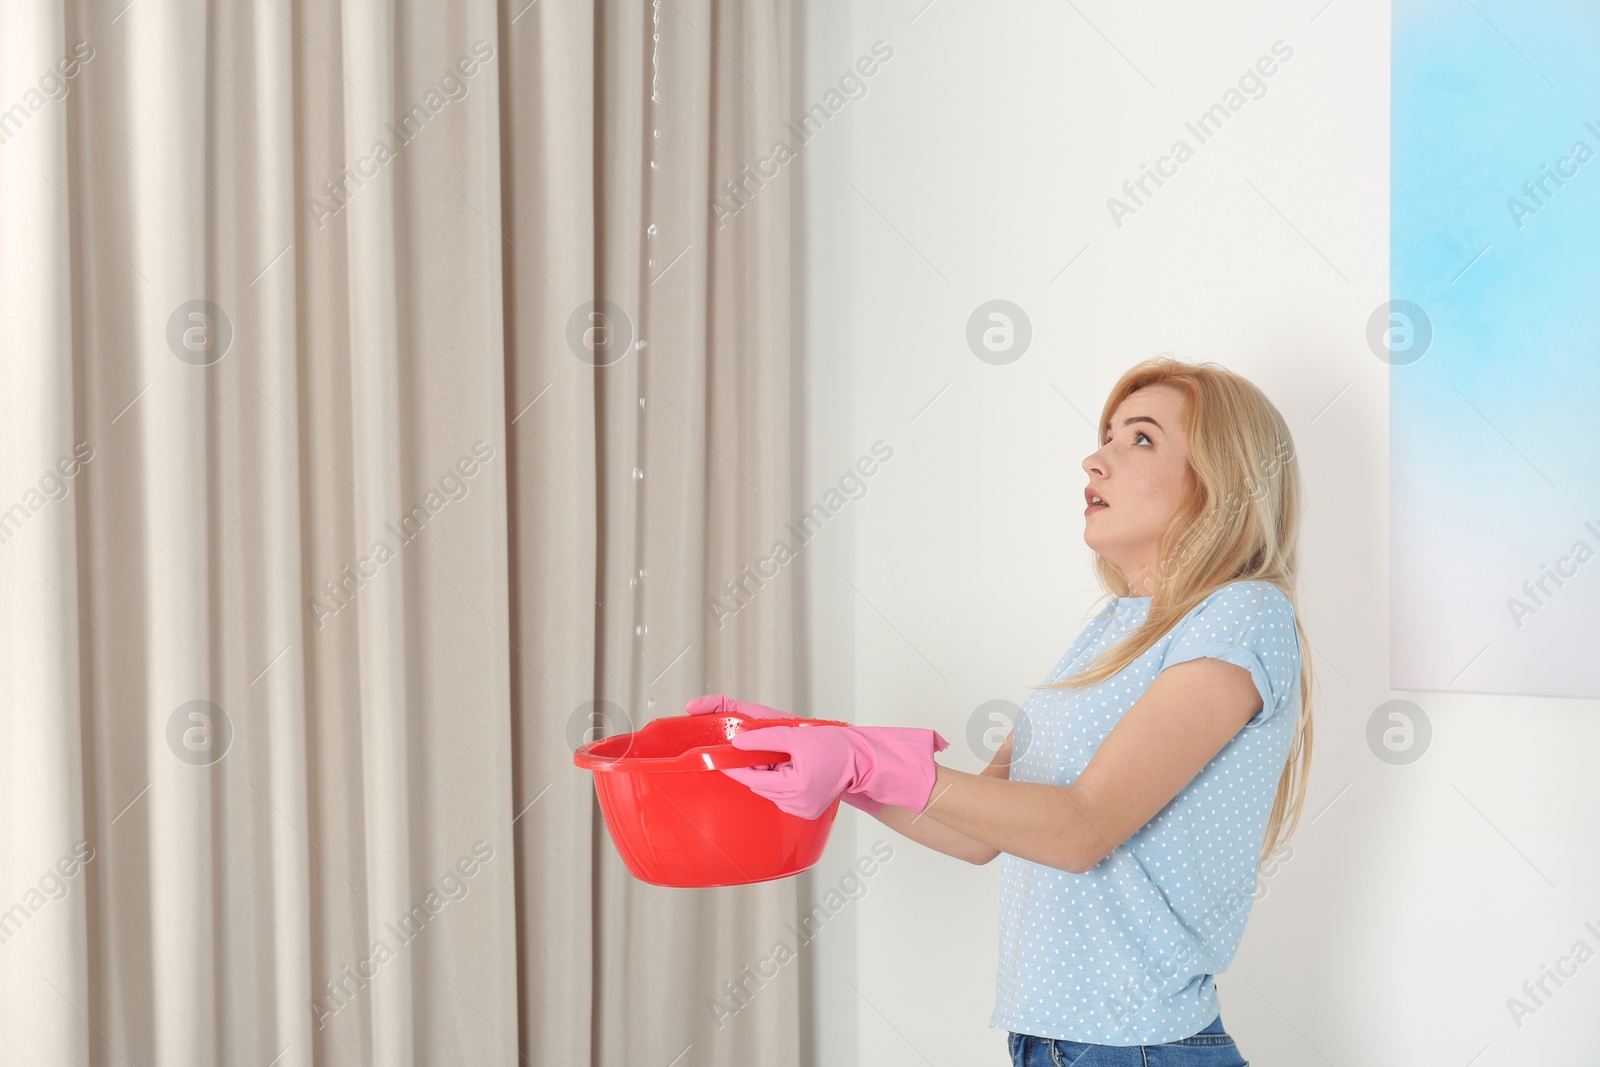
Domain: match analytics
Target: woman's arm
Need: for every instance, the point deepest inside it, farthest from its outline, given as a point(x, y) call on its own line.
point(1168, 736)
point(925, 830)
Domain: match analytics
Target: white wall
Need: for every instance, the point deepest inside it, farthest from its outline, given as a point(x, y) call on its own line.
point(977, 166)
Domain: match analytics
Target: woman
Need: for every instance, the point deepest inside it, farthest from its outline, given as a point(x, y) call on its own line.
point(1145, 785)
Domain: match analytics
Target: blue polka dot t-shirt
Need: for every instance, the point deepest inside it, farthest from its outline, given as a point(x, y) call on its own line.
point(1125, 953)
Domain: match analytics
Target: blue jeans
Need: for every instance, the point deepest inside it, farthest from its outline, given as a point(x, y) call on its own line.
point(1211, 1047)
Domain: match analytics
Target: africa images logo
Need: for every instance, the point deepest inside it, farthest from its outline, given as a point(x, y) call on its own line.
point(453, 85)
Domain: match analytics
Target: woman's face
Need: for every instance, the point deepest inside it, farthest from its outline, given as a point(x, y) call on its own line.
point(1141, 472)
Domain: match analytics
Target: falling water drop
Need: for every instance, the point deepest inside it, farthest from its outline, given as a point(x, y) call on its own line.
point(641, 343)
point(641, 630)
point(655, 51)
point(641, 401)
point(638, 474)
point(654, 165)
point(651, 229)
point(651, 702)
point(656, 132)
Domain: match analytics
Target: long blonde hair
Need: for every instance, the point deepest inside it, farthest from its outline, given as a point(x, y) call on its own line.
point(1240, 523)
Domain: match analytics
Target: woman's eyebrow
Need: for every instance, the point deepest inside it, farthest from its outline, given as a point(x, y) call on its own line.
point(1138, 418)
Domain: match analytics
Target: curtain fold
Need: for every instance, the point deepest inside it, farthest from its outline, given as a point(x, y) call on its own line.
point(322, 542)
point(688, 414)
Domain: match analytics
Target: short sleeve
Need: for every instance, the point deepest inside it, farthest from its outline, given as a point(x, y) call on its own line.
point(1251, 625)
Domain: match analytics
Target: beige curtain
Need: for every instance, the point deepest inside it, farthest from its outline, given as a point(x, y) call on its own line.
point(320, 541)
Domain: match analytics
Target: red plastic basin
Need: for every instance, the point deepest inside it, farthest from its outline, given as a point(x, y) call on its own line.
point(677, 821)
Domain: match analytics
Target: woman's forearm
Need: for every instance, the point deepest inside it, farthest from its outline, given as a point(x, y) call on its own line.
point(1035, 821)
point(925, 830)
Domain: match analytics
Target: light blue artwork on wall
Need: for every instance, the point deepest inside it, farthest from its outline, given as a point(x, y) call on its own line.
point(1494, 341)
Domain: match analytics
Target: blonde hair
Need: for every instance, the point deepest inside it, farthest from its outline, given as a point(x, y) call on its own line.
point(1241, 522)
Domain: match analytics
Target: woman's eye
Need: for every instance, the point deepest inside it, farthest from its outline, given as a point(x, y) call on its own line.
point(1136, 435)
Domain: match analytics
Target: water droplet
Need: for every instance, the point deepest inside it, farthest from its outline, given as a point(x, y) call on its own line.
point(641, 572)
point(638, 474)
point(640, 631)
point(651, 703)
point(656, 132)
point(654, 165)
point(651, 229)
point(641, 401)
point(641, 343)
point(650, 262)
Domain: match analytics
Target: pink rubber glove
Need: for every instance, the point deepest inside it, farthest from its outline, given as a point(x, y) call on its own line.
point(717, 704)
point(887, 764)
